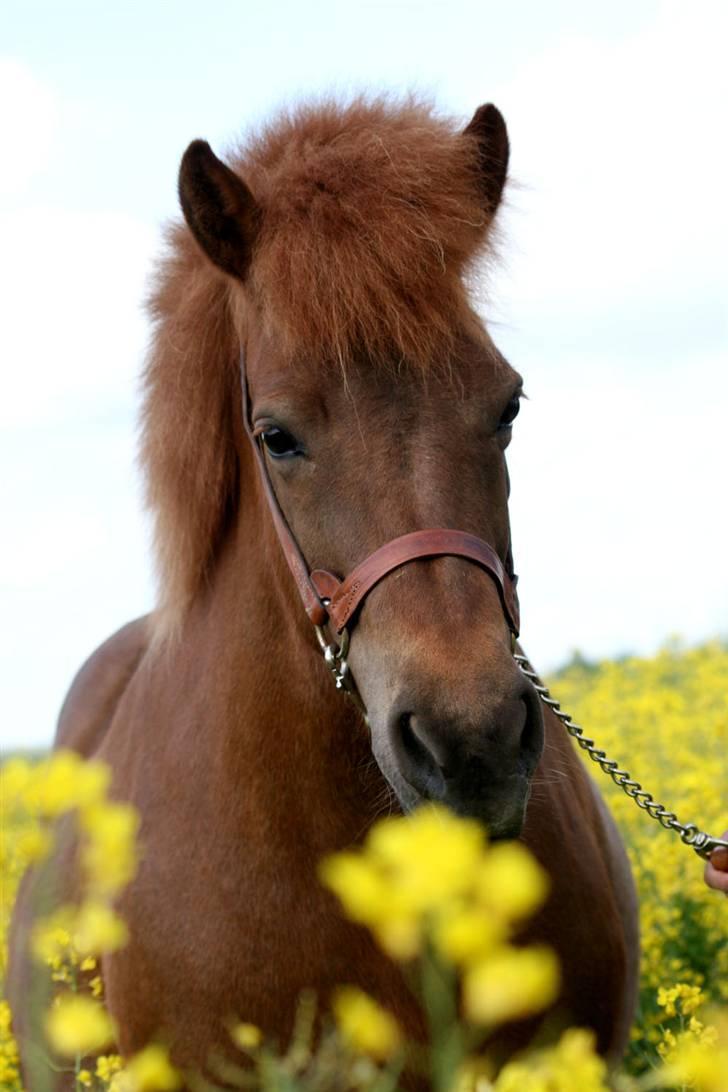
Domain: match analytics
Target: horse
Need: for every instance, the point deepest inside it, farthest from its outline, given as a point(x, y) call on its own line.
point(323, 398)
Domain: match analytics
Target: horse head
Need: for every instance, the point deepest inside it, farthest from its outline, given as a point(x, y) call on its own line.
point(383, 407)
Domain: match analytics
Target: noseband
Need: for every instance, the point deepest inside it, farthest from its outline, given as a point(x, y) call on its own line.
point(332, 603)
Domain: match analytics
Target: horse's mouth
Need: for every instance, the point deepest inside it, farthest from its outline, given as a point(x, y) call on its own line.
point(500, 808)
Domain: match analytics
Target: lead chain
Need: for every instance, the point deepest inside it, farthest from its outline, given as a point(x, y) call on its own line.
point(689, 833)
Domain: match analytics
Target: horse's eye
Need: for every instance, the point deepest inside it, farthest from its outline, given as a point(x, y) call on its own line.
point(279, 443)
point(510, 413)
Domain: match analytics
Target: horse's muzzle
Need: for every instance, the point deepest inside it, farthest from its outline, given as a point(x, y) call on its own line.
point(478, 766)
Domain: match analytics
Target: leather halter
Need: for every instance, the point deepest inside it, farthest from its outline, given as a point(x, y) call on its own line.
point(329, 599)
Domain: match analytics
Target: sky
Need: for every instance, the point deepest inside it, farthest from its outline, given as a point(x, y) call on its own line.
point(610, 297)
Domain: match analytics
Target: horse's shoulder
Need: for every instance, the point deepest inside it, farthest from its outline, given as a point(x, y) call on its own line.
point(98, 686)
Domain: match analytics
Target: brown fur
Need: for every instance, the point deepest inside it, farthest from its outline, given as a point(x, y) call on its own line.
point(371, 215)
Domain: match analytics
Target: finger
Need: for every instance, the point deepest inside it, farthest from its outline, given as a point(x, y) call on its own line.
point(716, 879)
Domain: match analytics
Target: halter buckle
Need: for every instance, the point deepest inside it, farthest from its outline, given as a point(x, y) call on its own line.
point(335, 657)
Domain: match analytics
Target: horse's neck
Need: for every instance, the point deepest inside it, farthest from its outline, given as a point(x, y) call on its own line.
point(275, 728)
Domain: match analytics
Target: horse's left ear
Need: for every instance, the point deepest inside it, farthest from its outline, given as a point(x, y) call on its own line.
point(491, 137)
point(220, 210)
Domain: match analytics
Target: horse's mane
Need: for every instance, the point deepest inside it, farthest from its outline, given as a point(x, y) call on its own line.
point(372, 217)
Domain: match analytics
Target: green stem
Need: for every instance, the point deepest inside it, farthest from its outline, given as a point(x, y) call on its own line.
point(439, 994)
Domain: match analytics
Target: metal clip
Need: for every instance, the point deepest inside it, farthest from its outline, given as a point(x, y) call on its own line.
point(335, 656)
point(335, 659)
point(705, 844)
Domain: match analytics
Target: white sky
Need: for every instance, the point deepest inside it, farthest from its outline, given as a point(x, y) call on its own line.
point(611, 300)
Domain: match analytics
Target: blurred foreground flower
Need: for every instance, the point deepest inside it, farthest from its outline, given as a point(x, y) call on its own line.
point(365, 1025)
point(78, 1025)
point(571, 1066)
point(148, 1071)
point(510, 984)
point(246, 1036)
point(430, 884)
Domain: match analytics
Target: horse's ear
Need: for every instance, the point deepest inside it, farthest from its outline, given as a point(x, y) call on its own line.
point(491, 137)
point(220, 210)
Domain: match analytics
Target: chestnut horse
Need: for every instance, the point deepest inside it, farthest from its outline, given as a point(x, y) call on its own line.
point(334, 257)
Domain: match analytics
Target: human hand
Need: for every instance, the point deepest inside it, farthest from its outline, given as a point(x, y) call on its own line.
point(716, 870)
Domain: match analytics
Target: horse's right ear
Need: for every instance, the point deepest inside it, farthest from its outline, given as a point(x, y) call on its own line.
point(220, 210)
point(488, 129)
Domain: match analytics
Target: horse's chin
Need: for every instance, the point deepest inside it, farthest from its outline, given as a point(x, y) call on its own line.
point(501, 810)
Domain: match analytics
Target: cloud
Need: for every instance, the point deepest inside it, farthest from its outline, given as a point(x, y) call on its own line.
point(619, 148)
point(619, 531)
point(28, 125)
point(73, 331)
point(74, 549)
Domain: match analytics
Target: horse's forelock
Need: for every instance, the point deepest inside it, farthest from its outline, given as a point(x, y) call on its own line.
point(371, 216)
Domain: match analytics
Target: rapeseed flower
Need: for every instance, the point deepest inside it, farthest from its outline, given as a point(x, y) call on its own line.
point(509, 984)
point(573, 1064)
point(106, 1066)
point(466, 934)
point(108, 850)
point(98, 929)
point(510, 883)
point(9, 1059)
point(246, 1036)
point(430, 858)
point(78, 1025)
point(365, 1025)
point(62, 782)
point(148, 1071)
point(665, 719)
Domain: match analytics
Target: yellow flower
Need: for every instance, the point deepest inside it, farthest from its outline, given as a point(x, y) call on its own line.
point(467, 934)
point(701, 1062)
point(148, 1071)
point(370, 897)
point(51, 939)
point(431, 856)
point(84, 1077)
point(246, 1036)
point(78, 1025)
point(107, 1065)
point(9, 1057)
point(510, 882)
point(34, 844)
point(109, 849)
point(399, 936)
point(15, 777)
point(65, 781)
point(98, 929)
point(573, 1064)
point(358, 884)
point(364, 1025)
point(510, 984)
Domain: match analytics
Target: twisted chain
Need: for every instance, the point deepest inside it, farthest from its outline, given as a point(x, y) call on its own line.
point(689, 833)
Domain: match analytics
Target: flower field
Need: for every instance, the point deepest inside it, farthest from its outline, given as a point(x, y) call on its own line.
point(665, 719)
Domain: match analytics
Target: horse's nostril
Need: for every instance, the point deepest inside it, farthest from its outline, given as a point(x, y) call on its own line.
point(421, 765)
point(413, 746)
